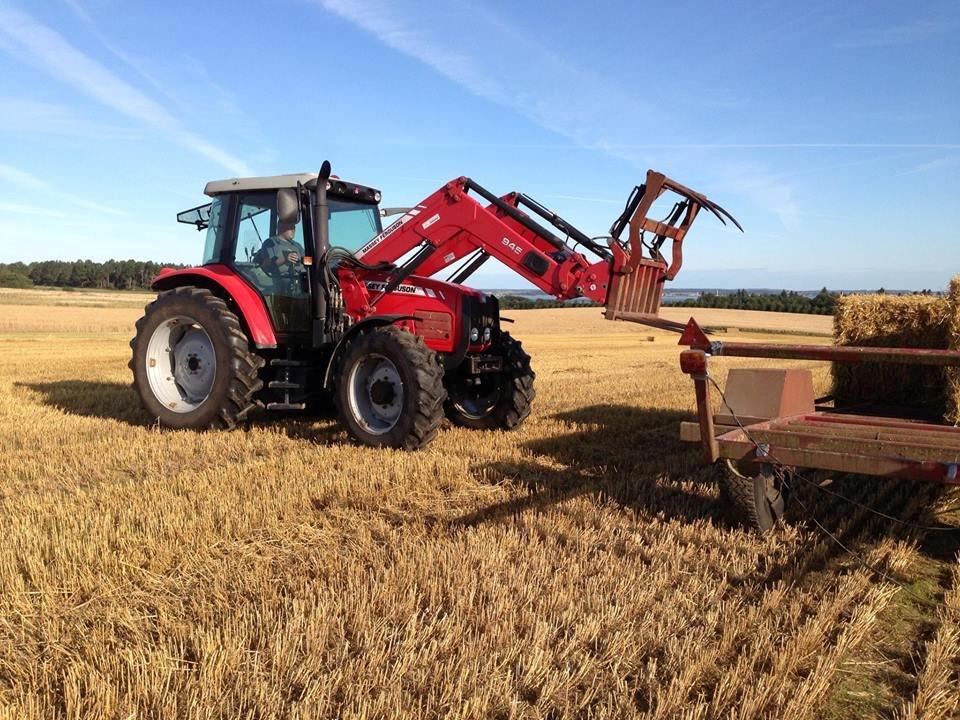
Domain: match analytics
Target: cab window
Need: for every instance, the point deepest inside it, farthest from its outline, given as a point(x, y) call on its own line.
point(352, 224)
point(270, 256)
point(216, 231)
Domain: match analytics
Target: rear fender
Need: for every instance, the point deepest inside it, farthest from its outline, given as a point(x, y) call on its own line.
point(356, 329)
point(225, 283)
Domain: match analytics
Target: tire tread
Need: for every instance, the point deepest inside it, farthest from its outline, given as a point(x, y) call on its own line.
point(429, 374)
point(244, 363)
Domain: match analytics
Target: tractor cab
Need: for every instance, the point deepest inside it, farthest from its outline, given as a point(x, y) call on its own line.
point(260, 229)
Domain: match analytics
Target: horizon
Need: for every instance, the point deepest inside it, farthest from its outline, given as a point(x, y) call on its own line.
point(530, 289)
point(827, 131)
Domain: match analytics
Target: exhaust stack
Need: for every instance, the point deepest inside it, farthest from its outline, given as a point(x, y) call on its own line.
point(319, 285)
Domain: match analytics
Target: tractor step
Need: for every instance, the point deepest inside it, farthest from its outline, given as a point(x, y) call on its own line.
point(286, 406)
point(283, 385)
point(283, 362)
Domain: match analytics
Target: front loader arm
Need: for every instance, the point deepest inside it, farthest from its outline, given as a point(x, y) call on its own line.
point(451, 223)
point(465, 246)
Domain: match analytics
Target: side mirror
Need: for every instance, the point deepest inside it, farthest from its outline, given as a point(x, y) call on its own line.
point(288, 206)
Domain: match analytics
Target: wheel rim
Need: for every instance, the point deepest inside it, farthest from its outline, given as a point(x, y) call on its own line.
point(375, 394)
point(181, 364)
point(477, 401)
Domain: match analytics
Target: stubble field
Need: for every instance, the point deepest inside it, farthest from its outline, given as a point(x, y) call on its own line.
point(581, 566)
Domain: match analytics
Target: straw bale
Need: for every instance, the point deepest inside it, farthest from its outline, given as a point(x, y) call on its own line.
point(911, 321)
point(952, 414)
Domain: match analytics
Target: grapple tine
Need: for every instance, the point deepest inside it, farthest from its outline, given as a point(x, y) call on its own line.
point(702, 200)
point(714, 211)
point(718, 211)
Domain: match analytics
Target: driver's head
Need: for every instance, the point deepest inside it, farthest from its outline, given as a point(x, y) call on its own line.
point(286, 231)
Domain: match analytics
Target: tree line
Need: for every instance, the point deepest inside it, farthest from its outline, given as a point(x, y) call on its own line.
point(517, 302)
point(823, 303)
point(109, 275)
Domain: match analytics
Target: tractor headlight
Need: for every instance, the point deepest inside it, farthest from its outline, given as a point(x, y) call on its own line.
point(486, 334)
point(474, 334)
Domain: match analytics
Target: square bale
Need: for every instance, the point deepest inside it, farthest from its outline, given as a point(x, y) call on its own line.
point(908, 321)
point(952, 414)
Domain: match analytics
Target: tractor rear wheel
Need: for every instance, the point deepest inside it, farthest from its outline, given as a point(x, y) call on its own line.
point(494, 401)
point(757, 500)
point(389, 389)
point(192, 365)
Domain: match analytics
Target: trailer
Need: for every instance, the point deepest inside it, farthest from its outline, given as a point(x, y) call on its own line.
point(770, 424)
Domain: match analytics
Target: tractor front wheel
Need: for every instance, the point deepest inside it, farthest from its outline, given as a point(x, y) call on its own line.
point(192, 365)
point(494, 401)
point(389, 390)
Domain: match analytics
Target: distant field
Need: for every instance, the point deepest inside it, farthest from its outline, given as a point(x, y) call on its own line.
point(19, 312)
point(755, 320)
point(74, 298)
point(581, 566)
point(572, 320)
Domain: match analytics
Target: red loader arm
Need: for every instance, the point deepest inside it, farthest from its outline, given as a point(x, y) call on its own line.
point(451, 225)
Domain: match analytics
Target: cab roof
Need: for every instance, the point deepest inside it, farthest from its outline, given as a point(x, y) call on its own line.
point(275, 182)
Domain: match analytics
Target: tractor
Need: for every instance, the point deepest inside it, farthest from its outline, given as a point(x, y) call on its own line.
point(303, 299)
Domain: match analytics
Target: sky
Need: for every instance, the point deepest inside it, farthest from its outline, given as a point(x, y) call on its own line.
point(831, 130)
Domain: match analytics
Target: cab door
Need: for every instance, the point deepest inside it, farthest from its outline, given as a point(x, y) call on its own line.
point(271, 261)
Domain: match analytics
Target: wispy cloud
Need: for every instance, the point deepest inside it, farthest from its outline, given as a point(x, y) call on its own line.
point(524, 76)
point(767, 190)
point(584, 107)
point(940, 163)
point(895, 35)
point(15, 208)
point(24, 115)
point(22, 179)
point(789, 146)
point(127, 59)
point(391, 27)
point(46, 49)
point(213, 95)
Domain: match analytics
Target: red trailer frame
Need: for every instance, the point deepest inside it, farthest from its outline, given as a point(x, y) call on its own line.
point(823, 439)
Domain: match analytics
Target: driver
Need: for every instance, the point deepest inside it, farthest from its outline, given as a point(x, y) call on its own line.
point(280, 256)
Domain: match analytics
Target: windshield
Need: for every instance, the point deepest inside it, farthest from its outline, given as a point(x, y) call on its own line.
point(352, 224)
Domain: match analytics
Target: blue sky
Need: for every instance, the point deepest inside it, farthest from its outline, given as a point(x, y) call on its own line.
point(831, 130)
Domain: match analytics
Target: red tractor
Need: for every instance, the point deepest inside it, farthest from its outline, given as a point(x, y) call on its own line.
point(303, 297)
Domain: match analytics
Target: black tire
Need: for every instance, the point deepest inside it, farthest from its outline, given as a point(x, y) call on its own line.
point(758, 500)
point(420, 403)
point(505, 403)
point(231, 395)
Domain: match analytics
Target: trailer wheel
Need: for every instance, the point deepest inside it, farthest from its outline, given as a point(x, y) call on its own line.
point(389, 389)
point(191, 362)
point(499, 401)
point(757, 500)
